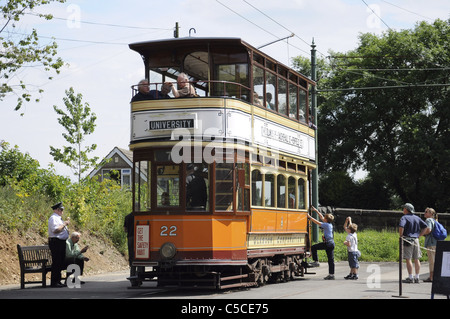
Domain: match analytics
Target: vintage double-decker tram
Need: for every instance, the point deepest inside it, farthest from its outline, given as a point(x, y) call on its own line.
point(221, 183)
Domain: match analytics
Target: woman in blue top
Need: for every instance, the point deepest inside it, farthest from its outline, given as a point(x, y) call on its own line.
point(327, 244)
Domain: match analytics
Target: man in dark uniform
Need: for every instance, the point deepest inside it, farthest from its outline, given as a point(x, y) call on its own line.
point(57, 236)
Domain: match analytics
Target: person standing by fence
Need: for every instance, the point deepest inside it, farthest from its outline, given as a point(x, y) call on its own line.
point(411, 227)
point(430, 241)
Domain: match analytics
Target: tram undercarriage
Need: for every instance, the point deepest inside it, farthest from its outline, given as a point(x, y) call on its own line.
point(257, 272)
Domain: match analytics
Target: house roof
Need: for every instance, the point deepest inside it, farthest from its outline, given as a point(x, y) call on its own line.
point(126, 155)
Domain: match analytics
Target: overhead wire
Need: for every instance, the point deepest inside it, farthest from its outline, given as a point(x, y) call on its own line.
point(258, 26)
point(397, 6)
point(102, 24)
point(373, 11)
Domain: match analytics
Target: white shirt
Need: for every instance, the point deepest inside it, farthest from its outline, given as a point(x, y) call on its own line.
point(352, 238)
point(54, 222)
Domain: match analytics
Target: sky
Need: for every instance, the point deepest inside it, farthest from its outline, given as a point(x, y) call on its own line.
point(93, 38)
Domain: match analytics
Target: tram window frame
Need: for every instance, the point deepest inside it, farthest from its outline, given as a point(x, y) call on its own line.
point(258, 85)
point(257, 190)
point(270, 76)
point(269, 189)
point(174, 192)
point(293, 92)
point(292, 187)
point(237, 86)
point(281, 190)
point(224, 187)
point(198, 170)
point(242, 188)
point(282, 96)
point(302, 107)
point(301, 193)
point(142, 178)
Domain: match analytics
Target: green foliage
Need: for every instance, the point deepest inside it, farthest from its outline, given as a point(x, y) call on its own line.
point(338, 189)
point(399, 135)
point(27, 193)
point(375, 246)
point(78, 122)
point(101, 208)
point(19, 51)
point(23, 173)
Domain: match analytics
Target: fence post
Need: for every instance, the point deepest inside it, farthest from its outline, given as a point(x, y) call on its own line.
point(400, 257)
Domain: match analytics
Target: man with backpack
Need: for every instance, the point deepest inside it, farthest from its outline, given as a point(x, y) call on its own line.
point(434, 232)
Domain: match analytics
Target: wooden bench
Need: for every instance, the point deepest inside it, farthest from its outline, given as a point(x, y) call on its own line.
point(34, 259)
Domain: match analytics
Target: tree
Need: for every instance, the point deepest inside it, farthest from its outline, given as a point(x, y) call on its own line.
point(23, 50)
point(78, 122)
point(385, 110)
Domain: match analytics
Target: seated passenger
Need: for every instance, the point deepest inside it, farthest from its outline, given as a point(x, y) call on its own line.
point(144, 92)
point(256, 99)
point(165, 199)
point(74, 255)
point(163, 94)
point(269, 104)
point(185, 89)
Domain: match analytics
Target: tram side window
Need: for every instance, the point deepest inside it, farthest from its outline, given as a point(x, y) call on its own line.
point(142, 180)
point(257, 183)
point(301, 194)
point(302, 105)
point(271, 89)
point(269, 190)
point(291, 193)
point(293, 101)
point(282, 96)
point(235, 73)
point(224, 186)
point(281, 191)
point(168, 185)
point(243, 187)
point(197, 185)
point(258, 86)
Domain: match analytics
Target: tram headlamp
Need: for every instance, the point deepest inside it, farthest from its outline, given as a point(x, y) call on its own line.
point(168, 250)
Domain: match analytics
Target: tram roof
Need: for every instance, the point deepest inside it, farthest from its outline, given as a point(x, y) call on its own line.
point(149, 48)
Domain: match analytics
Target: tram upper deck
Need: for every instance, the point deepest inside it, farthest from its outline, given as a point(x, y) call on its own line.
point(241, 94)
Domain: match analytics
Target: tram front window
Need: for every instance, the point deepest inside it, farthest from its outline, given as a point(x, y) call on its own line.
point(168, 185)
point(224, 186)
point(197, 185)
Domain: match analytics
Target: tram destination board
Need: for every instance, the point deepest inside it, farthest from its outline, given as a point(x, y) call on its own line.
point(441, 277)
point(170, 124)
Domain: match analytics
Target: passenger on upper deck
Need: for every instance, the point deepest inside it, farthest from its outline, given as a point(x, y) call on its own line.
point(185, 89)
point(269, 104)
point(144, 92)
point(163, 94)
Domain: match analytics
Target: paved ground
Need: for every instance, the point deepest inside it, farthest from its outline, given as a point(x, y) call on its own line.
point(376, 281)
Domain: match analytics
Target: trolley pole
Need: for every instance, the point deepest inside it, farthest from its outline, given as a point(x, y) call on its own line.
point(176, 31)
point(315, 179)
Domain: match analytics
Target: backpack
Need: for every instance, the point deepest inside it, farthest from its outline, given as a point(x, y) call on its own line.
point(439, 232)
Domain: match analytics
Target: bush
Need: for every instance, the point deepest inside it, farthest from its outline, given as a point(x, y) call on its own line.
point(27, 193)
